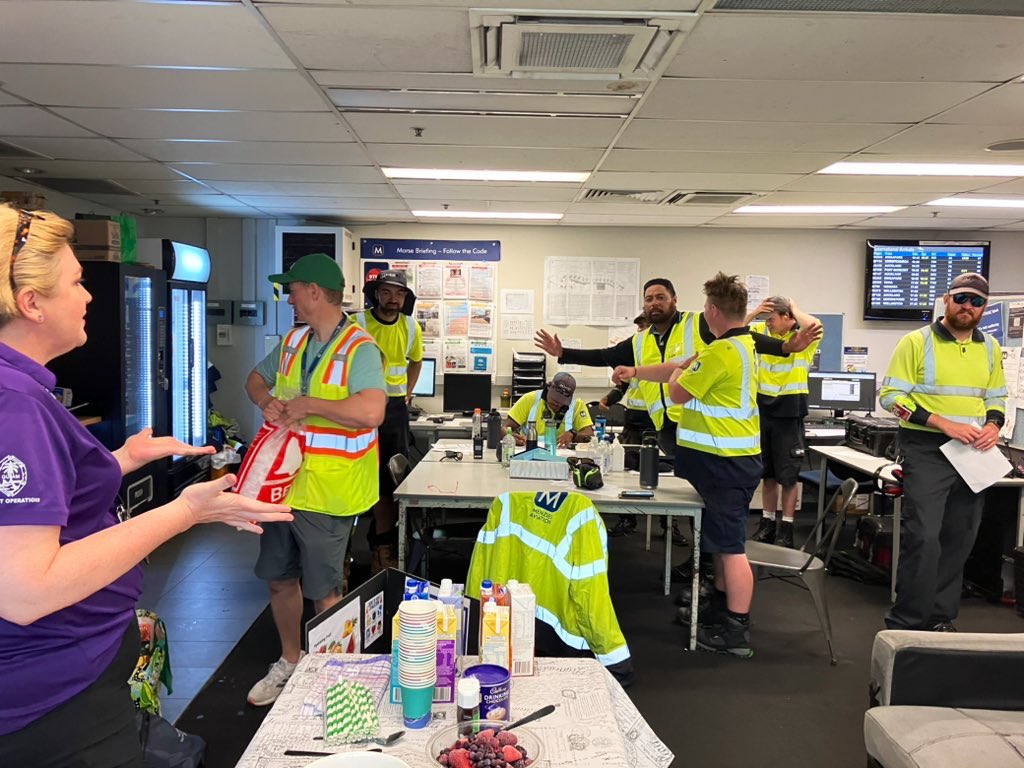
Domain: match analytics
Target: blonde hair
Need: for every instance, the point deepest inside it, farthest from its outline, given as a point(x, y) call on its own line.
point(36, 266)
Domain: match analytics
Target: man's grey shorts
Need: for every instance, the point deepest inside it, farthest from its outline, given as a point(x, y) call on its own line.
point(311, 548)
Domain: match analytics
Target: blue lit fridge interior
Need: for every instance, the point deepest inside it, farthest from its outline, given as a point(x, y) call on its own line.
point(138, 354)
point(181, 366)
point(198, 394)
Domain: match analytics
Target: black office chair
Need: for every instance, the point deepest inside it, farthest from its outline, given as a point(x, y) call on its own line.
point(426, 532)
point(615, 416)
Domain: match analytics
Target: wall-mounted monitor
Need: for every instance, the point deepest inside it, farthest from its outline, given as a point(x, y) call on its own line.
point(840, 391)
point(904, 277)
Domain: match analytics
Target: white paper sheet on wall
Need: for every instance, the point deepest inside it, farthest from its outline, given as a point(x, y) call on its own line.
point(591, 291)
point(456, 354)
point(514, 327)
point(758, 289)
point(428, 280)
point(1011, 372)
point(571, 344)
point(456, 318)
point(456, 280)
point(517, 301)
point(481, 319)
point(428, 315)
point(481, 282)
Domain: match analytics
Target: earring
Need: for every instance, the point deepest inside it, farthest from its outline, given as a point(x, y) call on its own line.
point(39, 318)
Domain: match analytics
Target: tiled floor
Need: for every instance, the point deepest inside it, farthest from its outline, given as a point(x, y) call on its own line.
point(202, 586)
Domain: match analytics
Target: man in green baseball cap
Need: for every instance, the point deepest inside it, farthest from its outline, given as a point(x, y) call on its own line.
point(325, 379)
point(318, 268)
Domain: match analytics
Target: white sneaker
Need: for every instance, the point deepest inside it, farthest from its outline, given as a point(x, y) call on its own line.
point(269, 688)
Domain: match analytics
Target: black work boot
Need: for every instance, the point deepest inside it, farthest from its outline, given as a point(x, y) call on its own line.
point(766, 531)
point(784, 538)
point(678, 538)
point(705, 589)
point(726, 635)
point(710, 609)
point(625, 526)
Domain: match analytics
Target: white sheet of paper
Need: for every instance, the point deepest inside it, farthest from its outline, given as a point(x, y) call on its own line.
point(979, 469)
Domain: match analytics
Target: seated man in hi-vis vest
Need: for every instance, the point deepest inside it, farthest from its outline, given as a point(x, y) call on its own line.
point(325, 379)
point(556, 400)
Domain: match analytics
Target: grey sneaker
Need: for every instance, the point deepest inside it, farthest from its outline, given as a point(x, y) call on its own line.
point(269, 688)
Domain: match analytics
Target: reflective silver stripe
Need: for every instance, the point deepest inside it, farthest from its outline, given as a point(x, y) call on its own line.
point(976, 421)
point(395, 389)
point(412, 325)
point(995, 404)
point(892, 381)
point(771, 389)
point(397, 370)
point(722, 412)
point(341, 443)
point(636, 404)
point(785, 367)
point(935, 389)
point(713, 441)
point(359, 318)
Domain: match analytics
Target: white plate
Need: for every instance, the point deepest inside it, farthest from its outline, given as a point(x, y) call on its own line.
point(359, 760)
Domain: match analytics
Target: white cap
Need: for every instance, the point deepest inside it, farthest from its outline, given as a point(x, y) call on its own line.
point(446, 588)
point(468, 692)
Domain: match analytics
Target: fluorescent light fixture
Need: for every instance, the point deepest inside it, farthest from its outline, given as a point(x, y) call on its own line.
point(486, 215)
point(925, 169)
point(837, 209)
point(978, 202)
point(456, 174)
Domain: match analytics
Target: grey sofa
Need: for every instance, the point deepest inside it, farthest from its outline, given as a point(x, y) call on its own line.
point(946, 700)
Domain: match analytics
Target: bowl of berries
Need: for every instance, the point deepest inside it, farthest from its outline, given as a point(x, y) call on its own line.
point(459, 747)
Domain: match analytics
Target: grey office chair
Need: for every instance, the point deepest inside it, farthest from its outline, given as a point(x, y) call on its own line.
point(803, 567)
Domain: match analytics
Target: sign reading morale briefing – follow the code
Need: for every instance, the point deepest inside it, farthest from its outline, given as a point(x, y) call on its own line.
point(462, 250)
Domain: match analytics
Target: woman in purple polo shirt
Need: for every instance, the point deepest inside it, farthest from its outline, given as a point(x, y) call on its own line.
point(70, 575)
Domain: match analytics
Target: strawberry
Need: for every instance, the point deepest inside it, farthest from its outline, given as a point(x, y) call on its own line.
point(511, 754)
point(507, 737)
point(485, 734)
point(459, 758)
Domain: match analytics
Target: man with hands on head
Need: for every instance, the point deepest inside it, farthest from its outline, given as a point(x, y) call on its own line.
point(945, 381)
point(328, 382)
point(554, 401)
point(782, 399)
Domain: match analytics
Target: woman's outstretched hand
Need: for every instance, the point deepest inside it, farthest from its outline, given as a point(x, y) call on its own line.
point(210, 502)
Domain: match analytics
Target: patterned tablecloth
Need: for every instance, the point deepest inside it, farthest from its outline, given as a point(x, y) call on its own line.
point(595, 723)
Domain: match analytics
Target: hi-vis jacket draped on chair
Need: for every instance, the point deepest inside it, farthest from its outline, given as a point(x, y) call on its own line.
point(557, 543)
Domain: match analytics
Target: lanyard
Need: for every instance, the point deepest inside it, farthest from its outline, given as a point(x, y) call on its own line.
point(307, 372)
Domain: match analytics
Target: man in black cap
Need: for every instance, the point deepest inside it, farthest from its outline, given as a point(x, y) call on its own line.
point(945, 381)
point(556, 400)
point(391, 323)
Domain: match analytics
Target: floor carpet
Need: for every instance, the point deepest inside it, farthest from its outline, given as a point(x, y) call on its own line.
point(787, 706)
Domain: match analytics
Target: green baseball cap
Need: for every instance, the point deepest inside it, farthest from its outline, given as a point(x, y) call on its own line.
point(316, 268)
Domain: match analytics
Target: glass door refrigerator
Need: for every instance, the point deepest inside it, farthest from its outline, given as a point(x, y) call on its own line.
point(119, 376)
point(188, 271)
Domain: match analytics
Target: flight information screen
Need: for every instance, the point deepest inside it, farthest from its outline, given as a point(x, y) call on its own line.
point(905, 278)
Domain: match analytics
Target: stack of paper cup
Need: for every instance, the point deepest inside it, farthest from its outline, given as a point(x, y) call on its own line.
point(417, 659)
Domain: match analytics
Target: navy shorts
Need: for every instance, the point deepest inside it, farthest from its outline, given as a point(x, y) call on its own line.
point(782, 449)
point(726, 485)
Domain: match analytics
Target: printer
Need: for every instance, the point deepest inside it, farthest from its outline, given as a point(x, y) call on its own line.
point(872, 434)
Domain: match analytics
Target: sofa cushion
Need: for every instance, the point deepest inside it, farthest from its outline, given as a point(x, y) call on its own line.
point(939, 737)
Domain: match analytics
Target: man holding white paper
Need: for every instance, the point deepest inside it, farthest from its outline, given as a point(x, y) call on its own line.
point(945, 382)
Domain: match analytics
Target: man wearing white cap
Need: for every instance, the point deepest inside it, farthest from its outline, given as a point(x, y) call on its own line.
point(945, 381)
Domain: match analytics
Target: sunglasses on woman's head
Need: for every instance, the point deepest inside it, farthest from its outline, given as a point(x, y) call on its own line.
point(963, 298)
point(21, 234)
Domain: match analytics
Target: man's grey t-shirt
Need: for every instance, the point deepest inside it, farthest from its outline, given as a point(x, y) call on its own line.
point(365, 371)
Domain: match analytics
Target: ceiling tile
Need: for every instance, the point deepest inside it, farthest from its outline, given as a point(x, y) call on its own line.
point(158, 88)
point(302, 189)
point(247, 151)
point(482, 131)
point(953, 212)
point(956, 227)
point(155, 188)
point(565, 5)
point(1017, 225)
point(773, 221)
point(132, 34)
point(868, 47)
point(415, 204)
point(32, 121)
point(754, 137)
point(484, 158)
point(431, 190)
point(273, 173)
point(1003, 105)
point(965, 141)
point(683, 161)
point(723, 182)
point(7, 99)
point(1000, 187)
point(803, 101)
point(237, 126)
point(295, 202)
point(788, 197)
point(76, 169)
point(631, 220)
point(188, 211)
point(77, 149)
point(417, 39)
point(648, 210)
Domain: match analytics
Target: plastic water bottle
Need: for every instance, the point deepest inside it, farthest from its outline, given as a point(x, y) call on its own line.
point(508, 448)
point(618, 456)
point(551, 436)
point(604, 457)
point(531, 435)
point(599, 424)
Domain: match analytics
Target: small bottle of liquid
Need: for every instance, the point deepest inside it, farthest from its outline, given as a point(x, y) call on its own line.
point(531, 435)
point(467, 706)
point(508, 448)
point(478, 435)
point(618, 456)
point(506, 399)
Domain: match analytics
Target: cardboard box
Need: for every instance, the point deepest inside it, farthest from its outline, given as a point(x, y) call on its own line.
point(97, 240)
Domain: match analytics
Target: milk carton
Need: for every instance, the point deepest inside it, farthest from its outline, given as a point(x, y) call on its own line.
point(524, 610)
point(496, 634)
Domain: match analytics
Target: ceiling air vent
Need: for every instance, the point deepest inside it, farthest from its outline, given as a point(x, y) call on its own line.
point(12, 151)
point(80, 186)
point(574, 44)
point(623, 196)
point(950, 7)
point(708, 198)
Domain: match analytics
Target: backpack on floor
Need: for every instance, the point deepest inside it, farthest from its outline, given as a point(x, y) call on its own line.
point(164, 746)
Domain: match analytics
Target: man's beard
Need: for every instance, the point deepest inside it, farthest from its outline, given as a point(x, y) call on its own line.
point(959, 322)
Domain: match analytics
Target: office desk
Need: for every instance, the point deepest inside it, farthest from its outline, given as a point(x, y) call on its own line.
point(470, 484)
point(863, 462)
point(461, 426)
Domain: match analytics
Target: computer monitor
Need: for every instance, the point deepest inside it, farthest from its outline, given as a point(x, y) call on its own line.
point(841, 391)
point(425, 383)
point(466, 391)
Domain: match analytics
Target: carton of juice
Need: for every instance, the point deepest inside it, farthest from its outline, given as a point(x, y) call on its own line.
point(524, 609)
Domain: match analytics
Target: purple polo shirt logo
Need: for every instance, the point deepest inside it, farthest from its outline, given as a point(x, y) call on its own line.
point(13, 476)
